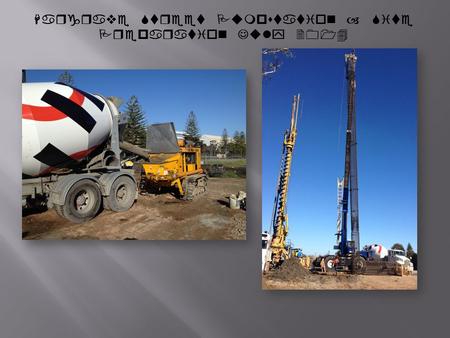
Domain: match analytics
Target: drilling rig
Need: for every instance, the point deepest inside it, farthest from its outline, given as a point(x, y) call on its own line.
point(350, 184)
point(277, 251)
point(347, 257)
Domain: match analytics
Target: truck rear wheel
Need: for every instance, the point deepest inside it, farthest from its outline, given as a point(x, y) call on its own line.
point(122, 194)
point(82, 202)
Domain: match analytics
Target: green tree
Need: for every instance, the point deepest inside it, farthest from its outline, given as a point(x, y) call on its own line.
point(212, 149)
point(409, 250)
point(414, 260)
point(242, 144)
point(135, 132)
point(231, 146)
point(398, 246)
point(237, 147)
point(411, 255)
point(66, 77)
point(224, 142)
point(192, 131)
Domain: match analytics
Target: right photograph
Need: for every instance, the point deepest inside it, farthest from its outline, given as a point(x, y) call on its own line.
point(339, 169)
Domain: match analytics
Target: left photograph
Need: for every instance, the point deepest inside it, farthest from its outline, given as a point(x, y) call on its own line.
point(134, 154)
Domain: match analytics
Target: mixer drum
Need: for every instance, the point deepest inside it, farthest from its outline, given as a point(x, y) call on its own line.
point(61, 126)
point(377, 251)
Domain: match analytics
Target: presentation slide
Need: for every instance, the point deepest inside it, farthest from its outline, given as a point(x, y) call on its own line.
point(224, 169)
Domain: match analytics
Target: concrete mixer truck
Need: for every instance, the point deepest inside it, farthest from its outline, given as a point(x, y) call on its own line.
point(70, 153)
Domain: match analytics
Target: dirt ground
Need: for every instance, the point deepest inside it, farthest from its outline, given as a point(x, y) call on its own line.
point(157, 217)
point(344, 282)
point(302, 279)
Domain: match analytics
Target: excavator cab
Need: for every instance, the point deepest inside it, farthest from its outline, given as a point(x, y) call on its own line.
point(191, 159)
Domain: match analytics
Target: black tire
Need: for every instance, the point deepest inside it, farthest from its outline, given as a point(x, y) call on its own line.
point(122, 194)
point(359, 265)
point(329, 264)
point(82, 202)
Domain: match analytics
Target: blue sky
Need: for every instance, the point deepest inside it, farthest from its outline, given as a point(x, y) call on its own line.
point(386, 106)
point(218, 97)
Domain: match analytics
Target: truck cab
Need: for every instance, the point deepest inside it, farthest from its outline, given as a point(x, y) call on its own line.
point(266, 251)
point(399, 257)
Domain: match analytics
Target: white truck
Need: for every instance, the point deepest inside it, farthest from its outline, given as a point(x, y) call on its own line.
point(399, 257)
point(379, 252)
point(266, 253)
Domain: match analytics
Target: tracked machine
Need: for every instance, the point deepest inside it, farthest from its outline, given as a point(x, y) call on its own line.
point(168, 163)
point(276, 247)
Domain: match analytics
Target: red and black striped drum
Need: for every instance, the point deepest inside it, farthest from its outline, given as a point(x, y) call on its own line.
point(61, 125)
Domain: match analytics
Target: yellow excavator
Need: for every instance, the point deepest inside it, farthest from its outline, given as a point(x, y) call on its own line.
point(181, 170)
point(169, 163)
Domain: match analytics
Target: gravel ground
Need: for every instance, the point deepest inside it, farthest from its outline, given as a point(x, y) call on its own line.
point(342, 281)
point(157, 217)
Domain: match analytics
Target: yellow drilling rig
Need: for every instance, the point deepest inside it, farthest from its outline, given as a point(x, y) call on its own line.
point(277, 250)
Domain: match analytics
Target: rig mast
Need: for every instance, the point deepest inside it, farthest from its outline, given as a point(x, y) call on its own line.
point(280, 217)
point(350, 185)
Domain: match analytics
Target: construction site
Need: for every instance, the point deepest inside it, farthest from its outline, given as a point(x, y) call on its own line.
point(153, 216)
point(352, 266)
point(82, 180)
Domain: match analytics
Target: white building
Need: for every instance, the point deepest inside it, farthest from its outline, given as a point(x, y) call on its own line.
point(206, 138)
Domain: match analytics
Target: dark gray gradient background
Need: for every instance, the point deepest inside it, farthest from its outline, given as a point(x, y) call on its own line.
point(210, 289)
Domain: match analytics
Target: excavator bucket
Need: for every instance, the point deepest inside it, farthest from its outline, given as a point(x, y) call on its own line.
point(161, 138)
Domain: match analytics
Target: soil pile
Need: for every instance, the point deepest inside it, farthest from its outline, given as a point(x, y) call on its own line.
point(290, 270)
